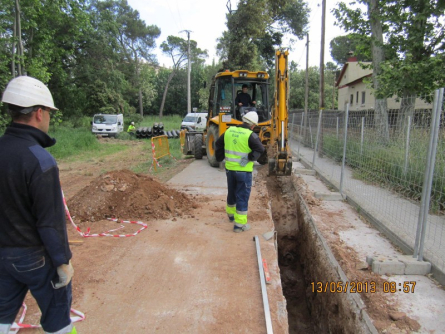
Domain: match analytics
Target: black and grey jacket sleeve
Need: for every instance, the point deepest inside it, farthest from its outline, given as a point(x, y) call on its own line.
point(256, 146)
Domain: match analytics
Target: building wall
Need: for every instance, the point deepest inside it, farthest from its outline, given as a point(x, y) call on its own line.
point(352, 87)
point(350, 93)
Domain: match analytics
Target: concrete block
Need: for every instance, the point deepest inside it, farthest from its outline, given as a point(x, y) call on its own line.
point(332, 196)
point(304, 171)
point(414, 267)
point(388, 266)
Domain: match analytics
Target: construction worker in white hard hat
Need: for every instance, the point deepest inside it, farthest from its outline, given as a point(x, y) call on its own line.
point(131, 129)
point(240, 147)
point(34, 249)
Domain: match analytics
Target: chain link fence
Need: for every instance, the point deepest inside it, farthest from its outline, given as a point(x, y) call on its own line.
point(393, 171)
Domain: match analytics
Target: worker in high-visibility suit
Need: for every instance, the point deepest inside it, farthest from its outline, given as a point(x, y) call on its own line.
point(131, 129)
point(240, 147)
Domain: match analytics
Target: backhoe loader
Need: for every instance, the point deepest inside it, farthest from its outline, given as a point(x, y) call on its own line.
point(272, 126)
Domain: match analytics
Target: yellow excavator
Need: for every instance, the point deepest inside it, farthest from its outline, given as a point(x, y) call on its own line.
point(272, 126)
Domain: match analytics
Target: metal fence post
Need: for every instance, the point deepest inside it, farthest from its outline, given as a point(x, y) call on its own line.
point(425, 178)
point(434, 137)
point(343, 160)
point(310, 133)
point(337, 127)
point(405, 170)
point(316, 139)
point(301, 134)
point(362, 135)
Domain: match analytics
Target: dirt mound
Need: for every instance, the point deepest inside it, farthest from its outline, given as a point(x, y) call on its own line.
point(126, 195)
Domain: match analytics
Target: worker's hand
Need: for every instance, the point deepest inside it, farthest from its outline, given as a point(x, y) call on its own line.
point(65, 272)
point(240, 104)
point(244, 161)
point(254, 102)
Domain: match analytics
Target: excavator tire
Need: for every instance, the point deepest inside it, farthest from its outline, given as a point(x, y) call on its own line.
point(212, 136)
point(197, 143)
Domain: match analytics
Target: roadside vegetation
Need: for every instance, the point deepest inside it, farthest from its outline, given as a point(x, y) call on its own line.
point(384, 165)
point(75, 142)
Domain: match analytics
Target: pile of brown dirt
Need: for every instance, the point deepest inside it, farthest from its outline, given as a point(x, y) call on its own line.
point(126, 195)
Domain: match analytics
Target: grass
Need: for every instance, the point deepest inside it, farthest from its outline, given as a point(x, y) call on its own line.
point(385, 164)
point(80, 143)
point(76, 142)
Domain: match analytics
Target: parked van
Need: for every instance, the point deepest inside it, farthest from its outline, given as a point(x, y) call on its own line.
point(107, 125)
point(196, 121)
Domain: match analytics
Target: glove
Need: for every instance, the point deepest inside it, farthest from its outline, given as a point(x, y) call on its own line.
point(65, 272)
point(244, 161)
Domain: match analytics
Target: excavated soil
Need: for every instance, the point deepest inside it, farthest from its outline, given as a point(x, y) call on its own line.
point(125, 195)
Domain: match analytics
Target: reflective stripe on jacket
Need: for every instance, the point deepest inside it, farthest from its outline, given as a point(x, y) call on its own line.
point(236, 145)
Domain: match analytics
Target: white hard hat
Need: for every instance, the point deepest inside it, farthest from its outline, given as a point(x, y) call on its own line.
point(132, 123)
point(26, 92)
point(251, 118)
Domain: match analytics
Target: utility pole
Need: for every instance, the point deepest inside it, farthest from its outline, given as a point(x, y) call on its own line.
point(323, 29)
point(189, 99)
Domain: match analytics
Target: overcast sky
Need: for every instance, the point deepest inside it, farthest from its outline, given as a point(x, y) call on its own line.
point(206, 20)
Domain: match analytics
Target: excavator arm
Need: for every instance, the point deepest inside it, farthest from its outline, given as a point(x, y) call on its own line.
point(279, 152)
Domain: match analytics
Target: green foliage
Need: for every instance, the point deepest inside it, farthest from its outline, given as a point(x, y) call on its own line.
point(298, 88)
point(177, 49)
point(414, 43)
point(251, 38)
point(359, 45)
point(384, 164)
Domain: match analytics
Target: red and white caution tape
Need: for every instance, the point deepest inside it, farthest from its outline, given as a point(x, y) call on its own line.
point(16, 326)
point(153, 151)
point(107, 233)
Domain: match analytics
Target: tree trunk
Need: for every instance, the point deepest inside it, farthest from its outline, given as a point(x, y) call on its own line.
point(14, 36)
point(170, 77)
point(378, 56)
point(141, 110)
point(407, 107)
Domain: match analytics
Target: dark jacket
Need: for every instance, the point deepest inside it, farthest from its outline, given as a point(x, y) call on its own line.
point(243, 98)
point(254, 143)
point(32, 212)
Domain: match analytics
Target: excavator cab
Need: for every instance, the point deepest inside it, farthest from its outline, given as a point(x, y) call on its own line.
point(224, 112)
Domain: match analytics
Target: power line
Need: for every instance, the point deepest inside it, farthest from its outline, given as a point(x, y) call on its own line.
point(179, 14)
point(174, 19)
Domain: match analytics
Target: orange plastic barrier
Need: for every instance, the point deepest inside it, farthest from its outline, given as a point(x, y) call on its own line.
point(159, 149)
point(182, 139)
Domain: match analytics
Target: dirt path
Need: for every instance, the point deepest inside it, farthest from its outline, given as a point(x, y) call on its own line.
point(186, 273)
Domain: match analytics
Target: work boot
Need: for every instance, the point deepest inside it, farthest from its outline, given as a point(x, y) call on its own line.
point(238, 229)
point(231, 219)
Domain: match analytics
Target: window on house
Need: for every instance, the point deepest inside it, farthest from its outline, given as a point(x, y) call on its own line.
point(356, 97)
point(363, 97)
point(352, 99)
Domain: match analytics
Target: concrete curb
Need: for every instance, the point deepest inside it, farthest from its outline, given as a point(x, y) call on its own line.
point(438, 274)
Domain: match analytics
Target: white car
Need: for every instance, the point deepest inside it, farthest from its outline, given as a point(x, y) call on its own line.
point(196, 121)
point(107, 124)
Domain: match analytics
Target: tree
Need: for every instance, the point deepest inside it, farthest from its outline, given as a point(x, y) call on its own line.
point(412, 55)
point(136, 38)
point(359, 45)
point(176, 48)
point(255, 30)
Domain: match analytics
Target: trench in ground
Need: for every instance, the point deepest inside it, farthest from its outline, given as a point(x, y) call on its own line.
point(302, 260)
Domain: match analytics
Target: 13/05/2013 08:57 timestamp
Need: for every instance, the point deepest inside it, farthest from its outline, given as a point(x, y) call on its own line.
point(363, 287)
